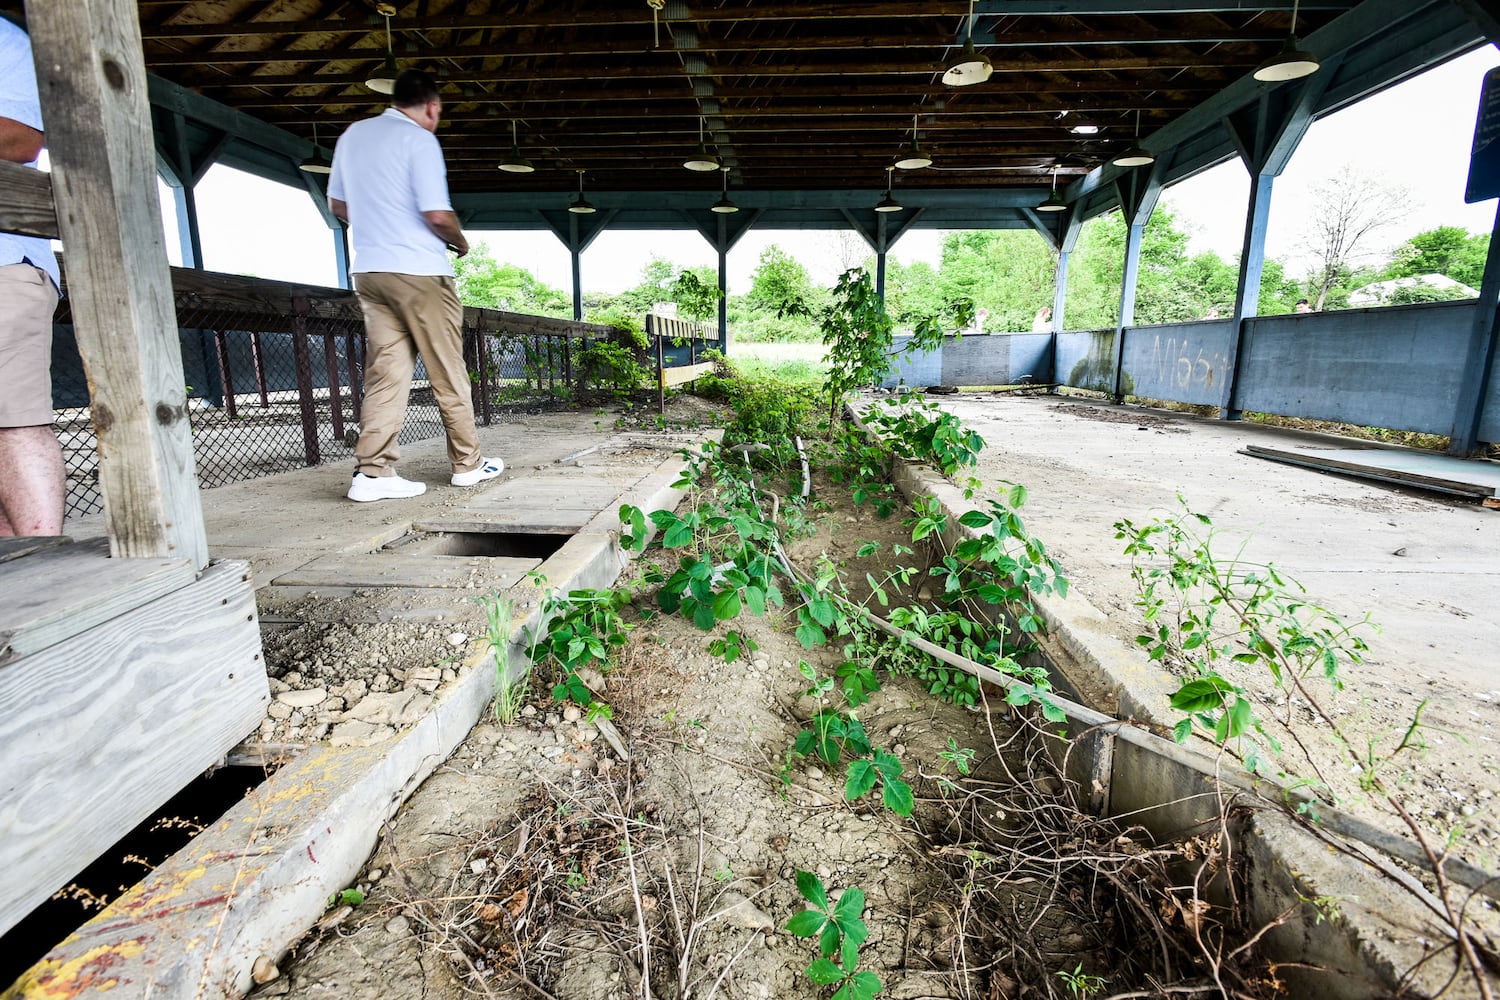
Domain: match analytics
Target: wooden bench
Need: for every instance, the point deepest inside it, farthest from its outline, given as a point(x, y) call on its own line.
point(660, 329)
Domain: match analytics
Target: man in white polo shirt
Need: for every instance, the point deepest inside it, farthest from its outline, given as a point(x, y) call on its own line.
point(32, 477)
point(390, 184)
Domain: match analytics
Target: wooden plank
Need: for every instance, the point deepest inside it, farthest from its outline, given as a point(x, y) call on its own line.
point(93, 89)
point(15, 548)
point(26, 206)
point(98, 731)
point(63, 591)
point(684, 373)
point(1399, 477)
point(398, 569)
point(522, 523)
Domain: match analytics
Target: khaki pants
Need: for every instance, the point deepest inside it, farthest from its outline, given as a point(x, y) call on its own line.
point(407, 315)
point(28, 300)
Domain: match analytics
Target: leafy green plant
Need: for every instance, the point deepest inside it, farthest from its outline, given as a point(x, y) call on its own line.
point(613, 366)
point(959, 758)
point(1081, 985)
point(840, 930)
point(917, 430)
point(582, 628)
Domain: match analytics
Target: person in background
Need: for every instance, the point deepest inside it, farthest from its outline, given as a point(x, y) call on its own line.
point(390, 184)
point(33, 478)
point(1303, 306)
point(1042, 321)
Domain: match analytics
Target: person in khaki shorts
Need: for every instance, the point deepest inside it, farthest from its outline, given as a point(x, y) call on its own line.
point(390, 183)
point(32, 476)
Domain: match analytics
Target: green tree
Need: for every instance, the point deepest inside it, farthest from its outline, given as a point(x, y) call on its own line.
point(911, 290)
point(484, 282)
point(657, 275)
point(1009, 273)
point(696, 292)
point(1448, 250)
point(780, 284)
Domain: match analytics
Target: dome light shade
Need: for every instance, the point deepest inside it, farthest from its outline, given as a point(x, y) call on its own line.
point(702, 159)
point(1053, 203)
point(580, 205)
point(913, 158)
point(888, 203)
point(1291, 63)
point(724, 206)
point(968, 67)
point(513, 162)
point(384, 79)
point(317, 163)
point(1137, 155)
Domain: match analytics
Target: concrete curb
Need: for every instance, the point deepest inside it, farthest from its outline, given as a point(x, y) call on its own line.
point(1171, 790)
point(255, 881)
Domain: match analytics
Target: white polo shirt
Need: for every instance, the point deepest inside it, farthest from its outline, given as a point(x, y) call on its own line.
point(389, 170)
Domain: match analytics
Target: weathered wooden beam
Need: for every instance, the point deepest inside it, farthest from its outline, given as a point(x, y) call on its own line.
point(26, 206)
point(93, 90)
point(159, 694)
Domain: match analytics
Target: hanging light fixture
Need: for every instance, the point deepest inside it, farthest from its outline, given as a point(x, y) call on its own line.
point(1136, 155)
point(914, 158)
point(317, 163)
point(888, 203)
point(1053, 203)
point(702, 159)
point(724, 206)
point(1291, 63)
point(969, 66)
point(513, 162)
point(580, 206)
point(384, 79)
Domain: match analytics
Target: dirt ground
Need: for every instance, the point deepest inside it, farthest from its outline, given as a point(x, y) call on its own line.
point(529, 863)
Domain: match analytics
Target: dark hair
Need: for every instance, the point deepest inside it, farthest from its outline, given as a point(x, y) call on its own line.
point(1303, 302)
point(414, 87)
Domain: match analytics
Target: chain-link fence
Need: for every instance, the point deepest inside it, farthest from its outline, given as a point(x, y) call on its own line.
point(274, 376)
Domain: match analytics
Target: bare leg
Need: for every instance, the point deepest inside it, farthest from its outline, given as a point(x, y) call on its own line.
point(32, 481)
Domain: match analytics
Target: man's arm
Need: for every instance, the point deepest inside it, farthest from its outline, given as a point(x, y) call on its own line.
point(340, 210)
point(19, 143)
point(445, 226)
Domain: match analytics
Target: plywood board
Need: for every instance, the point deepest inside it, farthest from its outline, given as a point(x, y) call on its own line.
point(1440, 473)
point(397, 569)
point(62, 591)
point(15, 548)
point(98, 731)
point(684, 373)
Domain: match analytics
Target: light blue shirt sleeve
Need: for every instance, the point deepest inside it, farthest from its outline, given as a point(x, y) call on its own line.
point(18, 94)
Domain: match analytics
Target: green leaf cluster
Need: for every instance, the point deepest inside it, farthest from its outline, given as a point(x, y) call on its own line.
point(840, 930)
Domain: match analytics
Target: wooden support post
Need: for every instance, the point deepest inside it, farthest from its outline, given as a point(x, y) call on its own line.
point(335, 403)
point(302, 355)
point(258, 359)
point(92, 83)
point(661, 381)
point(226, 377)
point(484, 369)
point(1479, 357)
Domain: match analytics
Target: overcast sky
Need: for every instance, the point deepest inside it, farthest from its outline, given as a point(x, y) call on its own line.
point(1416, 135)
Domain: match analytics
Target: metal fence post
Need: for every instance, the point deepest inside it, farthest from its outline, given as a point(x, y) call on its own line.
point(356, 372)
point(258, 362)
point(335, 403)
point(484, 368)
point(302, 355)
point(226, 379)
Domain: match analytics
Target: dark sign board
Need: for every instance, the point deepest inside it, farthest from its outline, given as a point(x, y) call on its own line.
point(1484, 160)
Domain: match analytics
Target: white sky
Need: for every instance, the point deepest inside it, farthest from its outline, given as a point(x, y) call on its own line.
point(1415, 135)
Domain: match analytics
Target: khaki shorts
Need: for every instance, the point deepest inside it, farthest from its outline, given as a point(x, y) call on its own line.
point(27, 301)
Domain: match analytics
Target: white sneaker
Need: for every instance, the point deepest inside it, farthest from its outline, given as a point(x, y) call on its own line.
point(365, 488)
point(489, 468)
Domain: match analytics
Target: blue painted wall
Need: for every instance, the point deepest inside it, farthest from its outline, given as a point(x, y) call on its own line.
point(1086, 360)
point(1186, 362)
point(1395, 367)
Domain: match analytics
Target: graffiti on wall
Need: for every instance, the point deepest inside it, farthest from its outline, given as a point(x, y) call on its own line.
point(1184, 363)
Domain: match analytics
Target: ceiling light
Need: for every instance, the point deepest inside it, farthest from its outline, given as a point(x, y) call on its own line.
point(1084, 127)
point(513, 162)
point(384, 79)
point(701, 159)
point(888, 203)
point(317, 163)
point(969, 66)
point(579, 205)
point(1053, 203)
point(914, 158)
point(1291, 63)
point(1136, 155)
point(724, 206)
